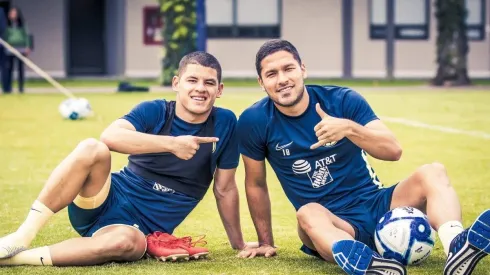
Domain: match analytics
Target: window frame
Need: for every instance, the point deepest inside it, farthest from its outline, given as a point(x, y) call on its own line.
point(378, 31)
point(478, 27)
point(247, 31)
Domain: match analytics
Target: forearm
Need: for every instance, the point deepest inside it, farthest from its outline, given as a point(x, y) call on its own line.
point(379, 144)
point(125, 141)
point(260, 209)
point(229, 210)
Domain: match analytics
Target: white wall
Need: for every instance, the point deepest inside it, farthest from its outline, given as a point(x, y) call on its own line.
point(47, 23)
point(315, 30)
point(368, 56)
point(141, 60)
point(416, 58)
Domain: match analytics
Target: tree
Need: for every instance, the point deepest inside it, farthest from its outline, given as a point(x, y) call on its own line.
point(179, 34)
point(452, 43)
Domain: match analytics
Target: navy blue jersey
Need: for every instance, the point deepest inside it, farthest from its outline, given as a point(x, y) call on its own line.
point(191, 177)
point(149, 117)
point(334, 175)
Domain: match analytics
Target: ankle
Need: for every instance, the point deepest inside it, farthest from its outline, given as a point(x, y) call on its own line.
point(38, 216)
point(447, 232)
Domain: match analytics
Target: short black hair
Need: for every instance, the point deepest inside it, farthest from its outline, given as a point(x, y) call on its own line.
point(201, 58)
point(272, 46)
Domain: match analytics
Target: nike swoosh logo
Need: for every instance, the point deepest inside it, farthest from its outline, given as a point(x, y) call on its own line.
point(279, 148)
point(36, 210)
point(42, 261)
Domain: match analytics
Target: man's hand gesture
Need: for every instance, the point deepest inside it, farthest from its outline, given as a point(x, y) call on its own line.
point(329, 129)
point(185, 147)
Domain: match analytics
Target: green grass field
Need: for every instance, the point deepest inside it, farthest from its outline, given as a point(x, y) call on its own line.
point(34, 139)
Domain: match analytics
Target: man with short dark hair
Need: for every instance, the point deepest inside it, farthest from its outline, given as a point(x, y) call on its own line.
point(317, 138)
point(176, 149)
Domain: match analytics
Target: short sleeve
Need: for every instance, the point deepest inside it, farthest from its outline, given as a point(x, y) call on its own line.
point(146, 115)
point(229, 157)
point(250, 132)
point(357, 109)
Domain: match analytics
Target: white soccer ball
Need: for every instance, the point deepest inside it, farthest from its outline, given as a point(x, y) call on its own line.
point(75, 108)
point(404, 234)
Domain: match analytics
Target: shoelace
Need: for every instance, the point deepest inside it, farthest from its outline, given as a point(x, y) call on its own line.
point(200, 240)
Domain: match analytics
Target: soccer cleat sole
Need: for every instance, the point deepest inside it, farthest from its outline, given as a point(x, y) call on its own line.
point(171, 258)
point(475, 249)
point(356, 258)
point(198, 256)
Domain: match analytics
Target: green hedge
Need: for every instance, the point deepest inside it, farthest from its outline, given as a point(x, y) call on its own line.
point(179, 34)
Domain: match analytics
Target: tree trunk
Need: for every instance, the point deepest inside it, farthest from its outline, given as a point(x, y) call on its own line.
point(452, 43)
point(179, 34)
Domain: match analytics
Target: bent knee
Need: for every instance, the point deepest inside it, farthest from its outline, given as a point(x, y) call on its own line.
point(312, 213)
point(308, 210)
point(93, 149)
point(432, 170)
point(124, 244)
point(432, 174)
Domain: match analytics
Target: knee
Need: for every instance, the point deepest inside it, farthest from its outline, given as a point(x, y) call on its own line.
point(124, 244)
point(432, 175)
point(308, 213)
point(92, 150)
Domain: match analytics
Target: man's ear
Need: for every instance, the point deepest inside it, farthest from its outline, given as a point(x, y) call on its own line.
point(303, 69)
point(261, 83)
point(220, 90)
point(175, 83)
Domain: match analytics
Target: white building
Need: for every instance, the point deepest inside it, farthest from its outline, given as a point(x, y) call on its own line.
point(335, 37)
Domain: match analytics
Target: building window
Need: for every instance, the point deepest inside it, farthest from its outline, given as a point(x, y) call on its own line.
point(411, 19)
point(152, 26)
point(475, 20)
point(243, 18)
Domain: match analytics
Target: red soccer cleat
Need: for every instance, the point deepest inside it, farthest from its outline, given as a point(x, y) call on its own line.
point(195, 252)
point(165, 247)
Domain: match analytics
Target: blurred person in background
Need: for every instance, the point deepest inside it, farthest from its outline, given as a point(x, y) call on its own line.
point(17, 35)
point(3, 27)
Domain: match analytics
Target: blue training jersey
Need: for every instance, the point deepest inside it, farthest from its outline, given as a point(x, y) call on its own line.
point(334, 175)
point(149, 117)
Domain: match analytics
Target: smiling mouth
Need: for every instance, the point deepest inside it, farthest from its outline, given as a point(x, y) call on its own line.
point(199, 98)
point(285, 89)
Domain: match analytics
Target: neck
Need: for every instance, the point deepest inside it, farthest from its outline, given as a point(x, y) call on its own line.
point(298, 108)
point(190, 117)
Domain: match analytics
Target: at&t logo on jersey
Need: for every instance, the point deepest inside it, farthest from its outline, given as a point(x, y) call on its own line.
point(320, 175)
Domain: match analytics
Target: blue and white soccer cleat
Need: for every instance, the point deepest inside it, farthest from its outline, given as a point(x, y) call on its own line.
point(356, 258)
point(469, 247)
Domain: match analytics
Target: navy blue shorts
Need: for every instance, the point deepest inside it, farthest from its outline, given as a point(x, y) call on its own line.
point(134, 201)
point(363, 216)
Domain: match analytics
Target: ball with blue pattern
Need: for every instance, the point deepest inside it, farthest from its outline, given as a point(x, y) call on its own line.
point(75, 108)
point(404, 234)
